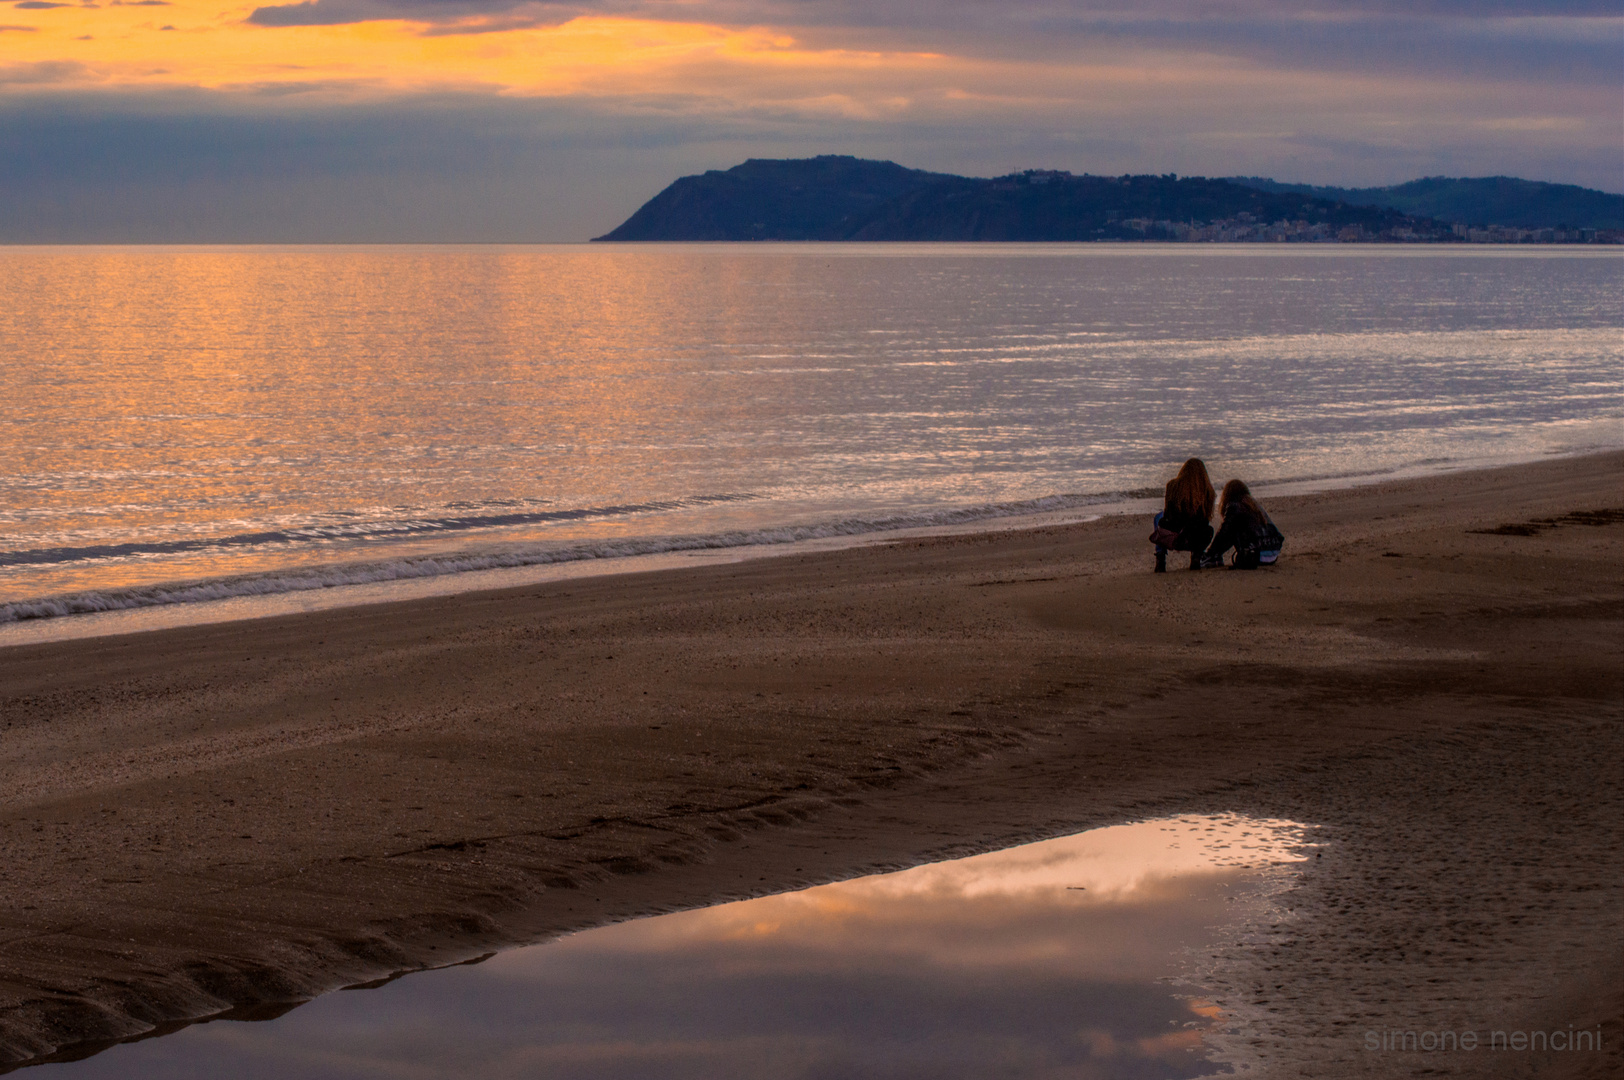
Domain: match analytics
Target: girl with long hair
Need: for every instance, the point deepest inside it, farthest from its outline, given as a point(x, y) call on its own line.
point(1246, 528)
point(1185, 523)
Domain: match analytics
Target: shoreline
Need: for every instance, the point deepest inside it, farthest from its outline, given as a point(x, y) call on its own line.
point(240, 815)
point(167, 614)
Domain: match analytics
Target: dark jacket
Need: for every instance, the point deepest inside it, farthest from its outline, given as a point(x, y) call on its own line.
point(1248, 530)
point(1194, 532)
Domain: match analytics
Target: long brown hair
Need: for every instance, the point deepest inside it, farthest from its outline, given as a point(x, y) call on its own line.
point(1237, 494)
point(1190, 493)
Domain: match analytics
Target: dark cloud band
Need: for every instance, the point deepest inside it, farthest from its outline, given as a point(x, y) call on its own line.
point(925, 19)
point(432, 12)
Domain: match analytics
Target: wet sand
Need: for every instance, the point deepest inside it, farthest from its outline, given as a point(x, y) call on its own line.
point(238, 816)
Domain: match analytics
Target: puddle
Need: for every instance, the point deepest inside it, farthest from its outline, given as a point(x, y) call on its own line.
point(1063, 958)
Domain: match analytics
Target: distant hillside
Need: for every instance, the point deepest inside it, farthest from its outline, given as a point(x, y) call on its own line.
point(845, 198)
point(1059, 206)
point(1489, 200)
point(819, 198)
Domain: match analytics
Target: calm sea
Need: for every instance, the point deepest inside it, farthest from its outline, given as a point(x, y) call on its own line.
point(188, 425)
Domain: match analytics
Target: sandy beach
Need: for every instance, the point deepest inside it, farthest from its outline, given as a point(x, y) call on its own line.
point(236, 817)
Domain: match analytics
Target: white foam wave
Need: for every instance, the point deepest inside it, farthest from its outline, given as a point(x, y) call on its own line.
point(423, 566)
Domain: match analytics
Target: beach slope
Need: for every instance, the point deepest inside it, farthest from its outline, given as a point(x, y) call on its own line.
point(233, 818)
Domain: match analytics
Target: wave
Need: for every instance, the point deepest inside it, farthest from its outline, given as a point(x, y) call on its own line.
point(425, 566)
point(351, 531)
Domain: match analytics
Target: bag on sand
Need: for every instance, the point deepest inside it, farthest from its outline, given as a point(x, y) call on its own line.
point(1270, 545)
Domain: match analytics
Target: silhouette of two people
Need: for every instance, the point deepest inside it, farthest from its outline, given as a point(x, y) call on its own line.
point(1185, 523)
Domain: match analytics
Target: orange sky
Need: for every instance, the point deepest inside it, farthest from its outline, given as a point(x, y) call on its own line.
point(199, 44)
point(539, 119)
point(148, 44)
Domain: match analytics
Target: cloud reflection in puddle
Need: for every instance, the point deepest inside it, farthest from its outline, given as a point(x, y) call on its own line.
point(1046, 960)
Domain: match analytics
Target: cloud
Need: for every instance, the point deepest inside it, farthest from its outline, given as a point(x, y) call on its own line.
point(491, 24)
point(1567, 49)
point(340, 12)
point(51, 72)
point(943, 15)
point(317, 13)
point(37, 5)
point(180, 168)
point(1572, 41)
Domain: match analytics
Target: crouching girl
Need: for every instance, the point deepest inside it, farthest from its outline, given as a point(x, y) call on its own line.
point(1246, 528)
point(1185, 523)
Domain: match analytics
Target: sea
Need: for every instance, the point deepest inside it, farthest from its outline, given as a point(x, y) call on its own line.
point(198, 433)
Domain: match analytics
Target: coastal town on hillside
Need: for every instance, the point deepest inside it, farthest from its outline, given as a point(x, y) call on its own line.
point(1246, 228)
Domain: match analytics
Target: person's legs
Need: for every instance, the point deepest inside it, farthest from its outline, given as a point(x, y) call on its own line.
point(1202, 555)
point(1203, 536)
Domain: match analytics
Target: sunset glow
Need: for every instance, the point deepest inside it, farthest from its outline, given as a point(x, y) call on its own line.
point(154, 44)
point(518, 119)
point(188, 44)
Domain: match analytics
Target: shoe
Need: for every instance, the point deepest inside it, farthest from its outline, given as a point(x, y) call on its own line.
point(1196, 560)
point(1161, 562)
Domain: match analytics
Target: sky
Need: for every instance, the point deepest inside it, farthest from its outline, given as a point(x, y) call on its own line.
point(518, 120)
